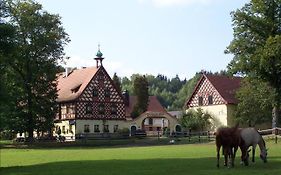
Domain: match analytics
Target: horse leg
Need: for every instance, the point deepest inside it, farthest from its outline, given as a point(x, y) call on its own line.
point(233, 155)
point(224, 154)
point(218, 156)
point(253, 153)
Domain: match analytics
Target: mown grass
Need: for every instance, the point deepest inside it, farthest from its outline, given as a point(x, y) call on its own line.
point(172, 159)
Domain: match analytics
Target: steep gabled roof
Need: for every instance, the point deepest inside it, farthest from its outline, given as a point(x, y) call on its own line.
point(153, 105)
point(71, 86)
point(226, 86)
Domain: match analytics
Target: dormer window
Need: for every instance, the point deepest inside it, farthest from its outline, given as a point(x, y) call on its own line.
point(76, 89)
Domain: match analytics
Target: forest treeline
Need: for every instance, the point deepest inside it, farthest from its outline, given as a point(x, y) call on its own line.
point(171, 92)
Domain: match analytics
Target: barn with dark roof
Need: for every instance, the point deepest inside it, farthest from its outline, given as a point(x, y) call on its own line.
point(216, 95)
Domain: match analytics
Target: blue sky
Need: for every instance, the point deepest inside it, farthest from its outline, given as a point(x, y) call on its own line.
point(148, 36)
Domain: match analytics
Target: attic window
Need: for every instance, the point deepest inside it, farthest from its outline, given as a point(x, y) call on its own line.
point(76, 89)
point(113, 109)
point(210, 99)
point(89, 108)
point(95, 92)
point(200, 101)
point(101, 109)
point(107, 93)
point(100, 77)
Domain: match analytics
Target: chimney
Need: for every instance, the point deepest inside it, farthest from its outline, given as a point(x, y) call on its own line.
point(67, 71)
point(126, 97)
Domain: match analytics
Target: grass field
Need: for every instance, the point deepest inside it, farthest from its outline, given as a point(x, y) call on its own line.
point(172, 159)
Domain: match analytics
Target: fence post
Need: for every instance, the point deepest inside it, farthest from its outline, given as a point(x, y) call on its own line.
point(158, 134)
point(189, 135)
point(209, 138)
point(199, 137)
point(276, 133)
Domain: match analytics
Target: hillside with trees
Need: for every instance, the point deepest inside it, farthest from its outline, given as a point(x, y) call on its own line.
point(171, 92)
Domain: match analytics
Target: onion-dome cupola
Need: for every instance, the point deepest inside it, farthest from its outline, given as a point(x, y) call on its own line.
point(99, 57)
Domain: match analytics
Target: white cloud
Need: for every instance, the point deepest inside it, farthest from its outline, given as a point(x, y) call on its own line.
point(167, 3)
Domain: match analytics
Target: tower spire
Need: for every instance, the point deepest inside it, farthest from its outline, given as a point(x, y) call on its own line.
point(99, 57)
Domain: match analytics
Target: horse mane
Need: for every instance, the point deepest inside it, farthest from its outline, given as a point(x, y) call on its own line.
point(261, 138)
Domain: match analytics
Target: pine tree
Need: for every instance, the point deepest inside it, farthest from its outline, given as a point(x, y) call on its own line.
point(116, 81)
point(141, 91)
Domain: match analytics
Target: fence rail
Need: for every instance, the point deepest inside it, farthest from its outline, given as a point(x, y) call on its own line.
point(275, 132)
point(209, 135)
point(198, 136)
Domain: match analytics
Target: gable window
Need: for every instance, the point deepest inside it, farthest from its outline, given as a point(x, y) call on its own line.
point(100, 77)
point(86, 128)
point(89, 108)
point(210, 99)
point(96, 128)
point(101, 109)
point(107, 93)
point(115, 128)
point(113, 109)
point(95, 92)
point(200, 101)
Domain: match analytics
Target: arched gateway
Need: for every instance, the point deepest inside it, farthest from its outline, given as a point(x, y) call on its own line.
point(156, 122)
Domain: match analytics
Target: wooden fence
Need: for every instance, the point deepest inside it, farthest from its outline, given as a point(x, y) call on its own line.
point(274, 132)
point(199, 136)
point(192, 136)
point(209, 135)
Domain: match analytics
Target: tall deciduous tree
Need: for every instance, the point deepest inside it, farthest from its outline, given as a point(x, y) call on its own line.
point(257, 44)
point(255, 102)
point(141, 91)
point(39, 41)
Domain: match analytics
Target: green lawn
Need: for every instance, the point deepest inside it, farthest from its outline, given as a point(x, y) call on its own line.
point(172, 159)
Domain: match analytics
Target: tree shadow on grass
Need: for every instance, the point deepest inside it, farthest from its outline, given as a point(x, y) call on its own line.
point(202, 166)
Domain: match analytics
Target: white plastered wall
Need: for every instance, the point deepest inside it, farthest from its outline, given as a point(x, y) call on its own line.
point(81, 123)
point(219, 112)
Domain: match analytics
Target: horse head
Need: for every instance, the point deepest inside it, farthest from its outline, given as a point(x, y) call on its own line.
point(263, 155)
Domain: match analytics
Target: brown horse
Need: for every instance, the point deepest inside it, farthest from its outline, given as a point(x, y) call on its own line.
point(229, 139)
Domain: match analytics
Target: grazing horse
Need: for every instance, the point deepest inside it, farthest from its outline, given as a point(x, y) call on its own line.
point(229, 139)
point(251, 137)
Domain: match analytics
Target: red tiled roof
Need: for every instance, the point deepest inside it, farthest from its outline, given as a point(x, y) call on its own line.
point(153, 105)
point(70, 87)
point(226, 86)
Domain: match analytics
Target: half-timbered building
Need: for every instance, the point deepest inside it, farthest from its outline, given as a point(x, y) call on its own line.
point(215, 94)
point(90, 103)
